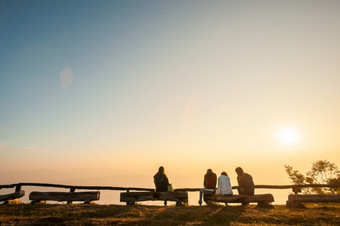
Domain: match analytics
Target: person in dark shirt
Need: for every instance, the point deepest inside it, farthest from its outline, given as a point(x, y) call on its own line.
point(245, 182)
point(161, 180)
point(209, 183)
point(210, 180)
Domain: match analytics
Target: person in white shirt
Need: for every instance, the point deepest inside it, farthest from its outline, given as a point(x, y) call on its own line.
point(224, 186)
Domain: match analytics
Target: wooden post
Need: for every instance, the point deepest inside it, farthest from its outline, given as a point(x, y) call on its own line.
point(296, 190)
point(71, 190)
point(18, 188)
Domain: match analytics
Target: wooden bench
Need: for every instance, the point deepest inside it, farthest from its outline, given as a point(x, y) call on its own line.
point(11, 196)
point(262, 200)
point(297, 200)
point(85, 197)
point(132, 197)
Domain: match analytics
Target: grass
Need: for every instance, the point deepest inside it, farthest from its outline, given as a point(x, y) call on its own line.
point(90, 214)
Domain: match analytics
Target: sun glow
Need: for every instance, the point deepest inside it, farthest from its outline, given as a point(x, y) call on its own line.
point(288, 136)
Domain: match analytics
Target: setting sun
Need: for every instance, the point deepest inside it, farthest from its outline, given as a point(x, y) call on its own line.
point(288, 136)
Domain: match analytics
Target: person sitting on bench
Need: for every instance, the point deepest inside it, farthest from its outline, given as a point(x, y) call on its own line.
point(245, 182)
point(224, 186)
point(209, 184)
point(161, 180)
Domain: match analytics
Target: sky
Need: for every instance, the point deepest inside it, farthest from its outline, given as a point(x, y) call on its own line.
point(105, 92)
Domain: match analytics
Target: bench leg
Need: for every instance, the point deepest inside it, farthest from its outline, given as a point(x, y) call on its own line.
point(244, 203)
point(294, 205)
point(88, 202)
point(38, 202)
point(179, 203)
point(209, 203)
point(165, 202)
point(130, 203)
point(264, 205)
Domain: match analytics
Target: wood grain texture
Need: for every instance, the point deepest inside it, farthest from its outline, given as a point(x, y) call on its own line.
point(11, 196)
point(153, 196)
point(267, 198)
point(314, 198)
point(65, 196)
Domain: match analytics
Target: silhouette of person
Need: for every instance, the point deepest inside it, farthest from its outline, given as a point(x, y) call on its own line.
point(209, 184)
point(224, 186)
point(161, 180)
point(245, 182)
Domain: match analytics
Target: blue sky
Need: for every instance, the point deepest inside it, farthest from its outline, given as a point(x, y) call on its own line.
point(165, 82)
point(40, 39)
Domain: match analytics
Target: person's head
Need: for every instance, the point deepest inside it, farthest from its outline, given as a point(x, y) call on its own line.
point(209, 171)
point(224, 173)
point(161, 169)
point(239, 171)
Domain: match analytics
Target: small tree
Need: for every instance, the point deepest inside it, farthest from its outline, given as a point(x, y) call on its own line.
point(335, 182)
point(322, 172)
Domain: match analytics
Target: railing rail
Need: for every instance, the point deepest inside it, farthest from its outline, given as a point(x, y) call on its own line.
point(74, 187)
point(294, 187)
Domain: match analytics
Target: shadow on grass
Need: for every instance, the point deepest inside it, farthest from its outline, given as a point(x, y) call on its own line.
point(201, 214)
point(24, 214)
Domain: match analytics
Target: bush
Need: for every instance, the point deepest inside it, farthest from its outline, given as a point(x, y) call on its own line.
point(322, 172)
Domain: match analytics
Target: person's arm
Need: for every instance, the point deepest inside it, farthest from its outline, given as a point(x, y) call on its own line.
point(252, 181)
point(166, 179)
point(239, 185)
point(219, 186)
point(154, 179)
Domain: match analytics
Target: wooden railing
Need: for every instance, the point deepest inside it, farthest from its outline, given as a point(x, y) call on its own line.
point(72, 188)
point(295, 188)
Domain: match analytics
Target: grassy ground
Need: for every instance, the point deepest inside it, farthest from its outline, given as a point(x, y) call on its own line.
point(79, 214)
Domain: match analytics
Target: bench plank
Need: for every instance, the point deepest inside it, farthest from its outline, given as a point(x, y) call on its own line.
point(11, 196)
point(260, 199)
point(65, 196)
point(297, 200)
point(132, 197)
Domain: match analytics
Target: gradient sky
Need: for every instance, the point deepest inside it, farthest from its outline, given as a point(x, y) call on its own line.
point(104, 92)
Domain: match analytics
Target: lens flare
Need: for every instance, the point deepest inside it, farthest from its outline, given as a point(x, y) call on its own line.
point(66, 77)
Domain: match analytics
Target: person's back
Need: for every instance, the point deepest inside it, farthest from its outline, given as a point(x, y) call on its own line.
point(245, 182)
point(210, 180)
point(161, 180)
point(209, 184)
point(224, 185)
